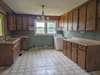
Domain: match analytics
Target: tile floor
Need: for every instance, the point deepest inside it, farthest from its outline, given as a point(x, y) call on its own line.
point(43, 62)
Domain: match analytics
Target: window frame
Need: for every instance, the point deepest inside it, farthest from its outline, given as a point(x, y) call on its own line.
point(45, 22)
point(2, 22)
point(47, 27)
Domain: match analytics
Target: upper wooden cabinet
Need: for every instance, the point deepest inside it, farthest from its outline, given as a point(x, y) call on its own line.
point(98, 8)
point(25, 23)
point(70, 21)
point(91, 16)
point(98, 16)
point(65, 22)
point(19, 22)
point(11, 23)
point(74, 52)
point(75, 19)
point(61, 22)
point(82, 17)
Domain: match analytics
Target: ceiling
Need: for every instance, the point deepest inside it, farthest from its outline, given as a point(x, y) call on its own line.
point(53, 7)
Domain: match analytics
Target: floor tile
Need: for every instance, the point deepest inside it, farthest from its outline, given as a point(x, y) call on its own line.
point(43, 62)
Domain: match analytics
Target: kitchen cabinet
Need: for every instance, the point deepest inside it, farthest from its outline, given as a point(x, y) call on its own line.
point(81, 56)
point(65, 22)
point(25, 23)
point(86, 56)
point(61, 21)
point(98, 16)
point(24, 42)
point(98, 8)
point(74, 52)
point(75, 19)
point(70, 22)
point(91, 16)
point(65, 48)
point(82, 17)
point(9, 50)
point(30, 20)
point(11, 23)
point(69, 50)
point(19, 22)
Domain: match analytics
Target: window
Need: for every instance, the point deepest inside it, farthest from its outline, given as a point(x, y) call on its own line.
point(51, 27)
point(1, 25)
point(48, 27)
point(40, 27)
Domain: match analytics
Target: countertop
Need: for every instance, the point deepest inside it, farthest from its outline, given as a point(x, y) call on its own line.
point(11, 40)
point(82, 41)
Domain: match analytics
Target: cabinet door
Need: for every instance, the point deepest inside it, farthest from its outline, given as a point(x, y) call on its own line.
point(91, 16)
point(64, 47)
point(65, 23)
point(61, 22)
point(92, 53)
point(81, 56)
point(98, 8)
point(11, 23)
point(98, 16)
point(70, 21)
point(75, 19)
point(82, 17)
point(19, 22)
point(25, 23)
point(74, 52)
point(69, 50)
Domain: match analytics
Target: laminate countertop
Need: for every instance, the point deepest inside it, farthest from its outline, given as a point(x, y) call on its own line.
point(11, 40)
point(82, 41)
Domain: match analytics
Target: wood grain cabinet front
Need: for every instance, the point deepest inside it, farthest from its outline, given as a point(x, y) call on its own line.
point(69, 50)
point(81, 56)
point(64, 47)
point(70, 23)
point(74, 52)
point(82, 17)
point(91, 16)
point(11, 22)
point(75, 19)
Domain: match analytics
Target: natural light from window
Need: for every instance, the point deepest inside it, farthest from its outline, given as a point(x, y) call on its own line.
point(51, 27)
point(40, 28)
point(48, 27)
point(1, 31)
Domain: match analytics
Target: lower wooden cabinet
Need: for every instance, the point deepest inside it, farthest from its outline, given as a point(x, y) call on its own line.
point(87, 57)
point(81, 56)
point(69, 50)
point(24, 42)
point(74, 52)
point(65, 47)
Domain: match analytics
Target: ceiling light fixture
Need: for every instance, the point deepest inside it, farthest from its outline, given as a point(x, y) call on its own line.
point(42, 16)
point(43, 13)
